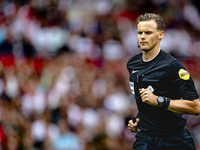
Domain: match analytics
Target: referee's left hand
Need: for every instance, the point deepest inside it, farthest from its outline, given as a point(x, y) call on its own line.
point(134, 126)
point(148, 97)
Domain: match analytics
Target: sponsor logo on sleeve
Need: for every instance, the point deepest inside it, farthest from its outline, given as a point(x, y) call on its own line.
point(183, 74)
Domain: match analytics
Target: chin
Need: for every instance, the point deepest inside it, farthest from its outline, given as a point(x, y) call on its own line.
point(144, 49)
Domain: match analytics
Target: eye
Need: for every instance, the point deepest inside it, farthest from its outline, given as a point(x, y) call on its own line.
point(139, 32)
point(148, 32)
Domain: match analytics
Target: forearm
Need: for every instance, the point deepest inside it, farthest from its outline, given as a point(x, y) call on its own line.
point(184, 106)
point(179, 106)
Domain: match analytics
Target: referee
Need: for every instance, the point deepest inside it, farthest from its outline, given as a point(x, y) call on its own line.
point(163, 90)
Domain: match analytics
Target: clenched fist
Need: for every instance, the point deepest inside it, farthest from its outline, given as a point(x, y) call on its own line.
point(148, 97)
point(134, 126)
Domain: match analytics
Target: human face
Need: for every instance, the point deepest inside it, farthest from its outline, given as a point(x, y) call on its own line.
point(148, 36)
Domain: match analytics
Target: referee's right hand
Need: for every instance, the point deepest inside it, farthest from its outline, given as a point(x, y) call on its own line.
point(133, 126)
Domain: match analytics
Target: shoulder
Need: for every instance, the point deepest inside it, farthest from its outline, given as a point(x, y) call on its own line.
point(135, 59)
point(166, 61)
point(167, 57)
point(134, 62)
point(173, 64)
point(177, 70)
point(176, 64)
point(168, 64)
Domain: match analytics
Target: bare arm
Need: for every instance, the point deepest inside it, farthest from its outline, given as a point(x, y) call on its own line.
point(180, 106)
point(184, 106)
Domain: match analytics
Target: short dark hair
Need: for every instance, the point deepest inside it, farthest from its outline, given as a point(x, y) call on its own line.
point(151, 16)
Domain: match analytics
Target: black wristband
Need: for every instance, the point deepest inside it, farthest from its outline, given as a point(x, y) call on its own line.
point(165, 104)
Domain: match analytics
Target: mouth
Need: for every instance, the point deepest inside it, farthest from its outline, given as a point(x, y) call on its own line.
point(143, 43)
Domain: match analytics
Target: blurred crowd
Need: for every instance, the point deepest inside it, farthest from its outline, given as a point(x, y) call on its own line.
point(63, 78)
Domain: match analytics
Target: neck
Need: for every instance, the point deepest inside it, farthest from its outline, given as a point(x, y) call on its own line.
point(149, 55)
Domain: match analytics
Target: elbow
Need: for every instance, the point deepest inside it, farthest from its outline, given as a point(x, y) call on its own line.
point(196, 110)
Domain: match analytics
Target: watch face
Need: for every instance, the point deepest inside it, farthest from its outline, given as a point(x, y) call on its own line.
point(160, 99)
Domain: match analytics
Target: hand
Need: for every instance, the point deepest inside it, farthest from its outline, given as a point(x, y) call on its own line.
point(148, 97)
point(134, 126)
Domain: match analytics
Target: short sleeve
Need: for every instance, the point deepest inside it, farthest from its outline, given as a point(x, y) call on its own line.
point(181, 81)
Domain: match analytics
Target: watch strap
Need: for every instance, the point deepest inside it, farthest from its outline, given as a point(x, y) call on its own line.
point(165, 103)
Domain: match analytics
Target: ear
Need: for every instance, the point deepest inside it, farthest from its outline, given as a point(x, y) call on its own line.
point(160, 35)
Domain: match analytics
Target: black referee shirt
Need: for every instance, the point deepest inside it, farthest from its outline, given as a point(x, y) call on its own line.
point(164, 76)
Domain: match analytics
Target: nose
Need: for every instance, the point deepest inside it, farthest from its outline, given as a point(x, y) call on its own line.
point(142, 35)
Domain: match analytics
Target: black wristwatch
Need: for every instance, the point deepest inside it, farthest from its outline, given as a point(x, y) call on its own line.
point(160, 100)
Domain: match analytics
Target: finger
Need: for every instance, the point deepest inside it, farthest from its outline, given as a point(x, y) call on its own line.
point(137, 120)
point(134, 124)
point(129, 125)
point(141, 90)
point(130, 122)
point(133, 129)
point(143, 94)
point(144, 98)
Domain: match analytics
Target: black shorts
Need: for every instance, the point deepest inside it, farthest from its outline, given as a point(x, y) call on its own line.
point(182, 141)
